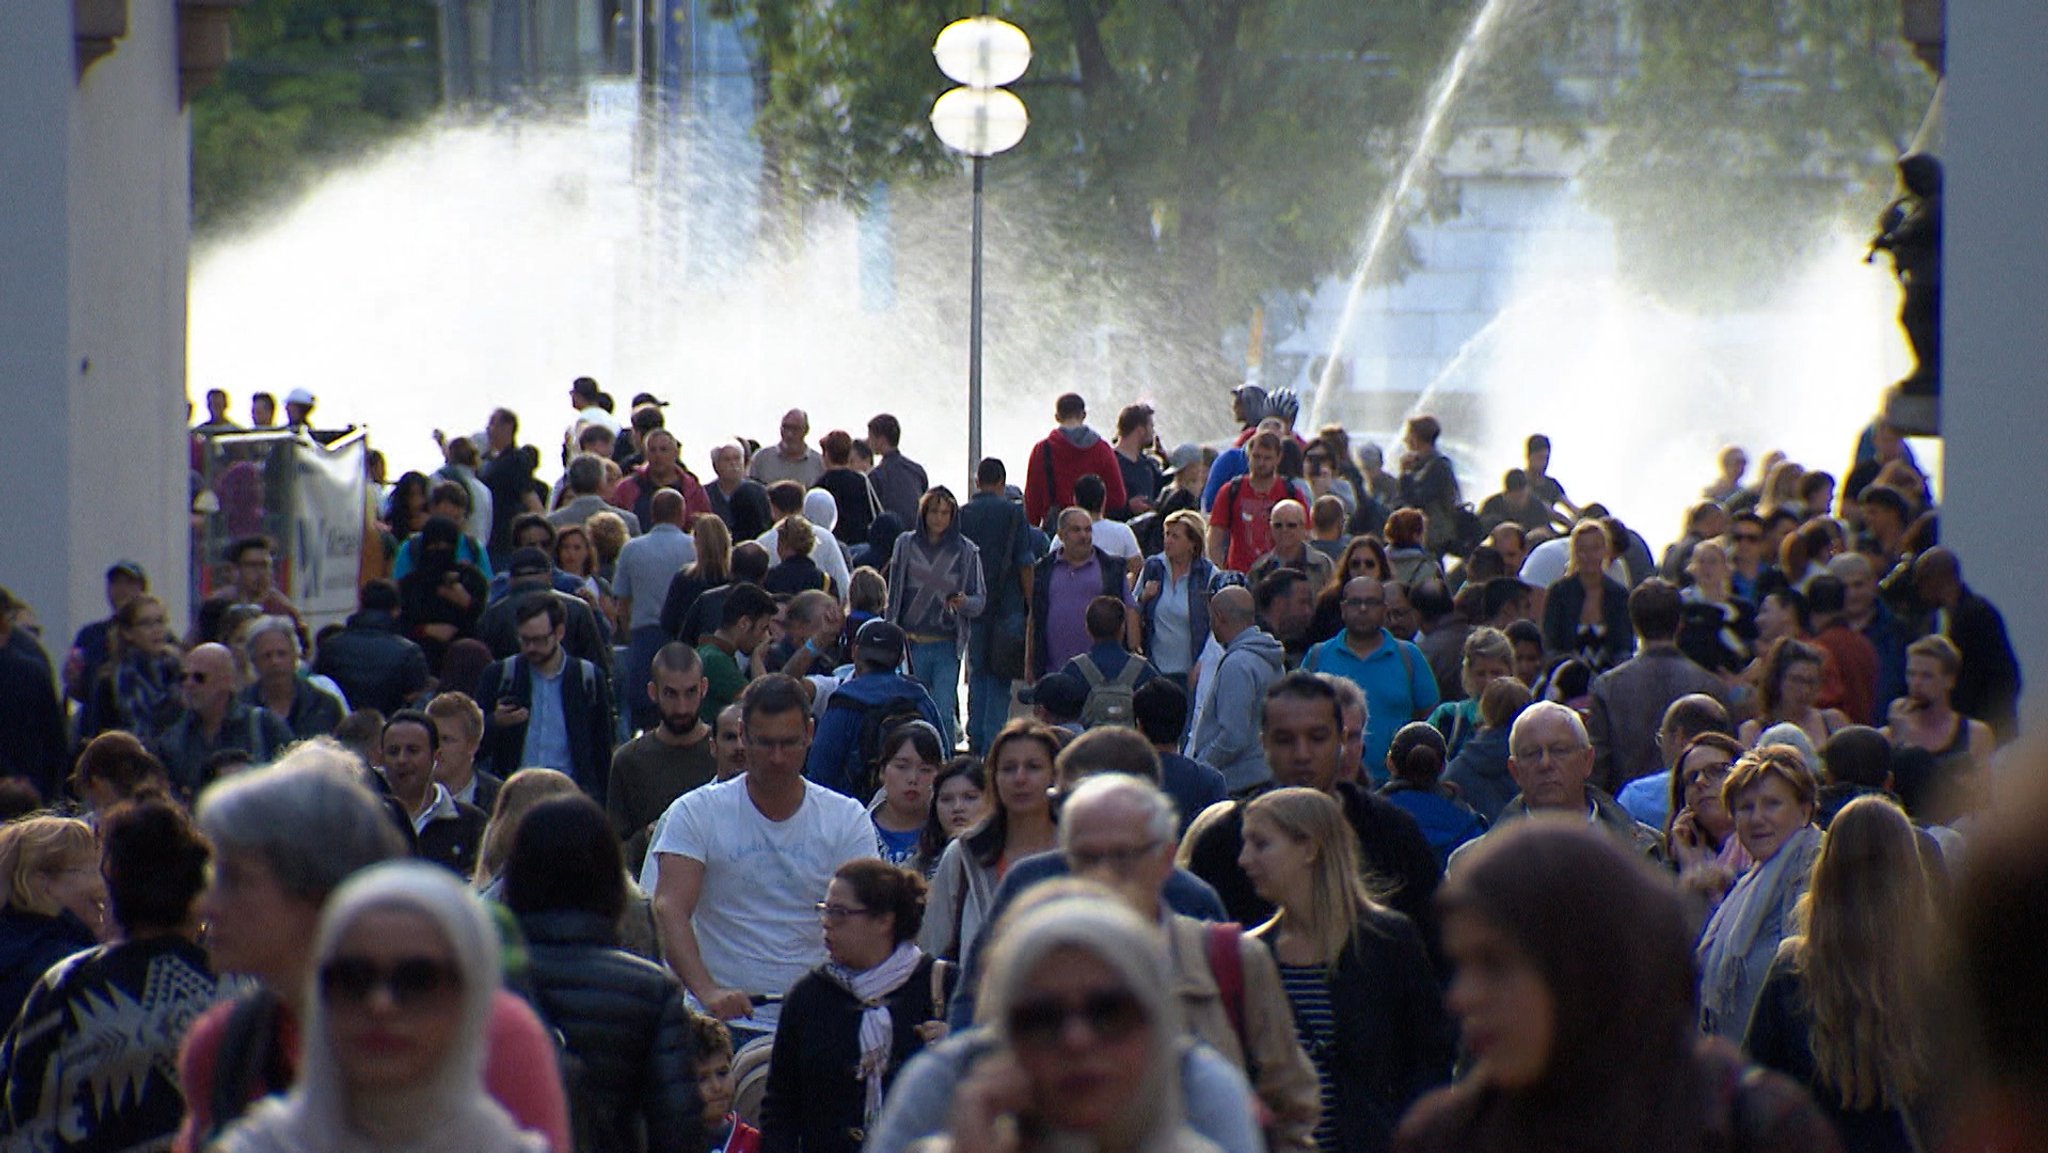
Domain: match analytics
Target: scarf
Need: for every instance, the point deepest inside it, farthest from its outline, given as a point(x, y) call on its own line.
point(871, 987)
point(1731, 935)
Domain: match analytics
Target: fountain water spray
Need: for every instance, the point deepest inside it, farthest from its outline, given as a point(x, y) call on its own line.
point(1429, 140)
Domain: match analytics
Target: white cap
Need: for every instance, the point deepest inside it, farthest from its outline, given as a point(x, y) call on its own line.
point(299, 396)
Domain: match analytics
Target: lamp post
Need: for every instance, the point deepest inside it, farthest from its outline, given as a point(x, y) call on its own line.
point(980, 118)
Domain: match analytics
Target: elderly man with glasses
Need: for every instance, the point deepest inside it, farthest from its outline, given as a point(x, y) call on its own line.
point(215, 717)
point(1551, 759)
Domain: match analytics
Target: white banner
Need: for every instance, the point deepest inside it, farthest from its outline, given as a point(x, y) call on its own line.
point(327, 544)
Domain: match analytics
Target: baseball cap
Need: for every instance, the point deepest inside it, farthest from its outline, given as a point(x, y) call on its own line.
point(529, 560)
point(880, 639)
point(1183, 455)
point(128, 569)
point(299, 396)
point(640, 398)
point(1062, 695)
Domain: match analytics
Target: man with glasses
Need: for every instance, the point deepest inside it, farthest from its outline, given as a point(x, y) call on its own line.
point(1399, 686)
point(1746, 556)
point(545, 708)
point(1551, 759)
point(737, 867)
point(1289, 522)
point(214, 718)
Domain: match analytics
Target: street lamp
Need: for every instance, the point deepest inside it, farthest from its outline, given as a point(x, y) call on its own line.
point(981, 118)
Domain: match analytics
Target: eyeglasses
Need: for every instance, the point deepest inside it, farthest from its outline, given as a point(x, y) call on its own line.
point(1108, 1014)
point(1289, 524)
point(1748, 538)
point(834, 914)
point(1081, 860)
point(1362, 603)
point(413, 983)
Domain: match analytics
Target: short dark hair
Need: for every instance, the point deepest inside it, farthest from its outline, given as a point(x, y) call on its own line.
point(676, 657)
point(1090, 492)
point(750, 561)
point(449, 492)
point(1160, 708)
point(1275, 585)
point(1132, 418)
point(786, 497)
point(1826, 595)
point(1524, 632)
point(1301, 686)
point(527, 521)
point(1431, 599)
point(1513, 479)
point(155, 864)
point(378, 595)
point(1654, 609)
point(248, 544)
point(883, 888)
point(1884, 496)
point(1106, 749)
point(1537, 443)
point(540, 603)
point(887, 427)
point(415, 717)
point(746, 599)
point(566, 857)
point(1499, 593)
point(1104, 618)
point(1069, 405)
point(1696, 714)
point(837, 446)
point(1857, 755)
point(990, 472)
point(586, 472)
point(772, 695)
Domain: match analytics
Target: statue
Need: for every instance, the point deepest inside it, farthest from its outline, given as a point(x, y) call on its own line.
point(1910, 229)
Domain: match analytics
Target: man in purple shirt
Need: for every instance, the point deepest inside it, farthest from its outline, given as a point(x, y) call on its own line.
point(1077, 572)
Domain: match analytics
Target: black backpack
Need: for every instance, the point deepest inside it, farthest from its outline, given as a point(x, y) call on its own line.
point(877, 721)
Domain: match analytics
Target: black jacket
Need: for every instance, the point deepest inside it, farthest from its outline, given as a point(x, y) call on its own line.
point(376, 667)
point(624, 1021)
point(1394, 852)
point(29, 944)
point(1394, 1042)
point(581, 636)
point(586, 702)
point(1561, 608)
point(815, 1096)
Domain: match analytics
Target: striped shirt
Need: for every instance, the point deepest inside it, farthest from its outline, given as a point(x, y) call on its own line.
point(1315, 1025)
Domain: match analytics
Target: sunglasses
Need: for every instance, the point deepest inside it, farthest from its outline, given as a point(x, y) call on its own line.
point(412, 983)
point(1108, 1014)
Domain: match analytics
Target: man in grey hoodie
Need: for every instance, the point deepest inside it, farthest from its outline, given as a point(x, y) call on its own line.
point(1227, 728)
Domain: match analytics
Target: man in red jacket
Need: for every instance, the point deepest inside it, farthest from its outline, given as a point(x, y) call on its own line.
point(1069, 452)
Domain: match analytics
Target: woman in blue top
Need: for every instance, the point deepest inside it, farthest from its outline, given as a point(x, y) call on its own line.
point(1488, 656)
point(1415, 765)
point(1173, 597)
point(911, 756)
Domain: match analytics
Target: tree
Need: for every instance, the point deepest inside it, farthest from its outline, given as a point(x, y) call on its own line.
point(311, 80)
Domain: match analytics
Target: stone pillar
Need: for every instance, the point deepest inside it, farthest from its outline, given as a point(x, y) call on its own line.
point(1995, 341)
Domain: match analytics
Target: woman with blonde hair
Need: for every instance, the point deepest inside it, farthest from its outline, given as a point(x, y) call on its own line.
point(405, 972)
point(1488, 656)
point(1846, 1007)
point(1089, 1038)
point(519, 794)
point(55, 901)
point(712, 568)
point(138, 687)
point(1585, 613)
point(1174, 587)
point(1367, 1008)
point(1772, 795)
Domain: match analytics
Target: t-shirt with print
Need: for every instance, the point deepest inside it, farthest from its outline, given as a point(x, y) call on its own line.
point(1245, 511)
point(756, 918)
point(894, 847)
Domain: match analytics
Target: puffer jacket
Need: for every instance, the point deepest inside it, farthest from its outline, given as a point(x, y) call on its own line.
point(815, 1097)
point(623, 1020)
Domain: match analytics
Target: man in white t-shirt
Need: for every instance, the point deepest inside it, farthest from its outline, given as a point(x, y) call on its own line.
point(1111, 536)
point(737, 868)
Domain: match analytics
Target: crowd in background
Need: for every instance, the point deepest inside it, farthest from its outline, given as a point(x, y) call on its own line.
point(1253, 795)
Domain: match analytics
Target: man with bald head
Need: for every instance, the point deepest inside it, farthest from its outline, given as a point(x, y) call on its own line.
point(737, 499)
point(1289, 522)
point(1399, 686)
point(215, 717)
point(1551, 759)
point(1226, 734)
point(1866, 613)
point(790, 458)
point(1988, 685)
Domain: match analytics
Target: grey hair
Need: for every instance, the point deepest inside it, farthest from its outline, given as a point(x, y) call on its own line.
point(310, 816)
point(1542, 709)
point(1843, 564)
point(271, 624)
point(1350, 695)
point(1162, 820)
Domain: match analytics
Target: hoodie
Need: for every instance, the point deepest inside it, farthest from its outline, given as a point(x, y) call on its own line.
point(1063, 457)
point(1227, 732)
point(1480, 771)
point(923, 574)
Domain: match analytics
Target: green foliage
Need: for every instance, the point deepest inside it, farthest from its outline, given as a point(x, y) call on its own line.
point(1749, 127)
point(311, 80)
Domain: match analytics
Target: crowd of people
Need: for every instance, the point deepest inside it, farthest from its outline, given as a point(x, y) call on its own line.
point(1293, 805)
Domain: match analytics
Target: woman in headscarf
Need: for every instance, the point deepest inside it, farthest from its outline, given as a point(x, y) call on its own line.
point(935, 588)
point(851, 1023)
point(1575, 992)
point(1089, 1039)
point(405, 970)
point(441, 598)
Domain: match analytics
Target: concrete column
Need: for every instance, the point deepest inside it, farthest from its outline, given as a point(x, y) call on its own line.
point(1995, 315)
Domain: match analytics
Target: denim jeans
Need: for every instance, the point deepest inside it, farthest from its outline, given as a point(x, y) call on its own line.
point(936, 666)
point(988, 696)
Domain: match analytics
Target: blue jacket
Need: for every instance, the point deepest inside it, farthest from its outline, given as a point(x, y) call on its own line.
point(1446, 822)
point(1203, 580)
point(834, 759)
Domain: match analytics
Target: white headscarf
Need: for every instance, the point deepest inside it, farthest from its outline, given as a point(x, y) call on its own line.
point(451, 1112)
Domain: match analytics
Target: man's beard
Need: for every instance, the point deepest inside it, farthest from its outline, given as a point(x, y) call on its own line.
point(679, 724)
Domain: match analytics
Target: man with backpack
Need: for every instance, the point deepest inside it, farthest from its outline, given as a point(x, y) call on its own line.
point(846, 753)
point(1240, 520)
point(1110, 672)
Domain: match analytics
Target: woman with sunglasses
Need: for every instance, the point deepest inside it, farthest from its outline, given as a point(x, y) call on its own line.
point(1702, 836)
point(405, 972)
point(1366, 1006)
point(851, 1023)
point(1575, 992)
point(138, 688)
point(1089, 1036)
point(1364, 556)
